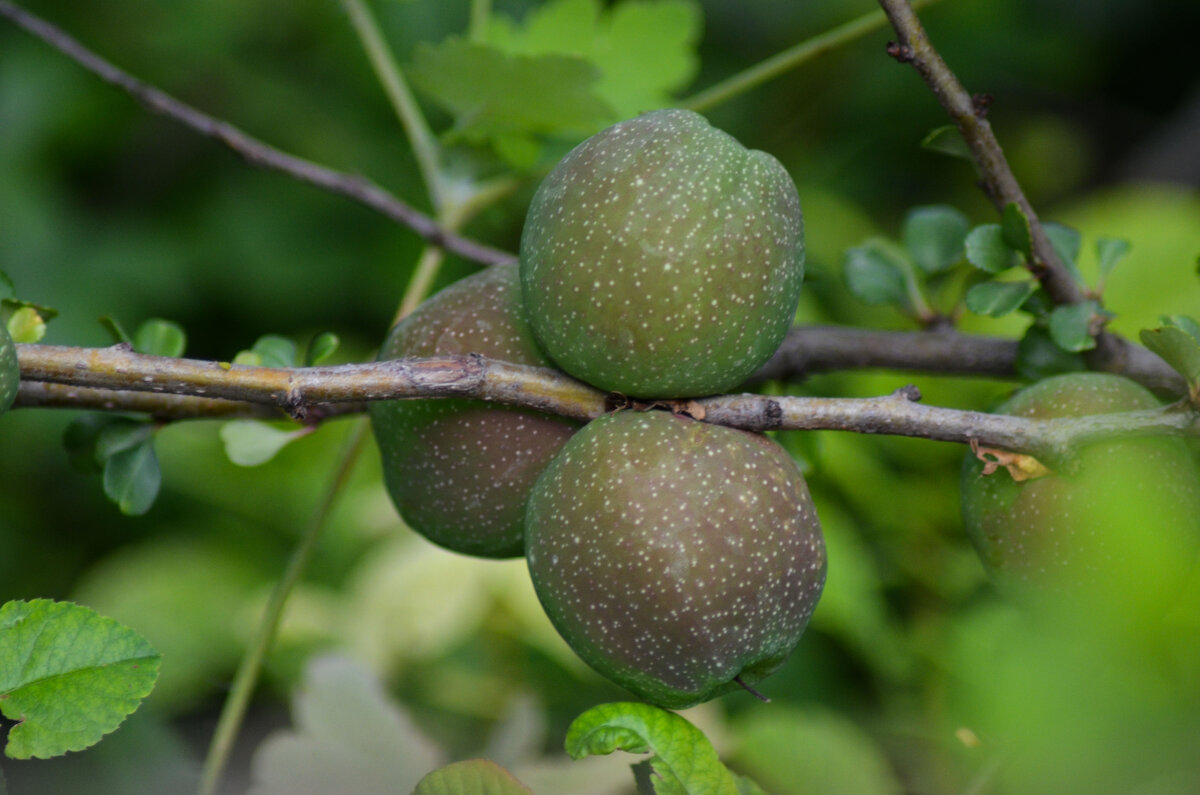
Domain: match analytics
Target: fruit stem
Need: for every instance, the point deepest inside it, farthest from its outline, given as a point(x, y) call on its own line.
point(751, 690)
point(244, 681)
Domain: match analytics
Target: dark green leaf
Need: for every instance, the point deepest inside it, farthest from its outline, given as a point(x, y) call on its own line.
point(26, 325)
point(471, 777)
point(934, 236)
point(1109, 252)
point(1065, 241)
point(996, 299)
point(321, 347)
point(80, 438)
point(249, 443)
point(683, 756)
point(118, 434)
point(132, 478)
point(874, 273)
point(986, 249)
point(947, 140)
point(1015, 225)
point(1039, 357)
point(1071, 326)
point(69, 675)
point(159, 337)
point(115, 330)
point(7, 288)
point(273, 351)
point(10, 370)
point(1177, 348)
point(1184, 322)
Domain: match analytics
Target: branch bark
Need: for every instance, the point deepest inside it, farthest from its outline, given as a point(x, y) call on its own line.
point(311, 392)
point(252, 150)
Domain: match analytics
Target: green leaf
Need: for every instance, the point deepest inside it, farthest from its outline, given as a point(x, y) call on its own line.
point(1065, 241)
point(1109, 252)
point(1039, 357)
point(683, 758)
point(812, 752)
point(1178, 348)
point(1071, 326)
point(115, 330)
point(269, 350)
point(321, 347)
point(996, 299)
point(159, 337)
point(7, 289)
point(132, 478)
point(471, 777)
point(349, 736)
point(26, 325)
point(934, 236)
point(249, 443)
point(747, 785)
point(120, 434)
point(1015, 226)
point(1184, 322)
point(986, 249)
point(10, 370)
point(69, 675)
point(79, 440)
point(643, 51)
point(874, 272)
point(493, 94)
point(947, 140)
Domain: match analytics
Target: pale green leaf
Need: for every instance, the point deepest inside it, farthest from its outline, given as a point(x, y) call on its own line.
point(349, 736)
point(1065, 241)
point(249, 443)
point(1071, 326)
point(26, 325)
point(1109, 252)
point(68, 675)
point(683, 758)
point(934, 236)
point(986, 249)
point(471, 777)
point(996, 299)
point(159, 337)
point(1178, 348)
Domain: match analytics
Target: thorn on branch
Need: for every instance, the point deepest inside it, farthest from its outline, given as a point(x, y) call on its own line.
point(901, 52)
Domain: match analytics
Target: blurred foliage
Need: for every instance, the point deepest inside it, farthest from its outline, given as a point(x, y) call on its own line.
point(913, 676)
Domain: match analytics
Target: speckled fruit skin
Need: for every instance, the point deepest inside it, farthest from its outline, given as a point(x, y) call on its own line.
point(662, 259)
point(460, 471)
point(674, 555)
point(1125, 520)
point(10, 370)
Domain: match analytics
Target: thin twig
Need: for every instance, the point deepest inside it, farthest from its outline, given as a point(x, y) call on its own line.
point(303, 390)
point(254, 151)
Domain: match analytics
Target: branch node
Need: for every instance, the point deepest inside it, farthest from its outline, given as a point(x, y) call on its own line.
point(981, 104)
point(901, 52)
point(908, 392)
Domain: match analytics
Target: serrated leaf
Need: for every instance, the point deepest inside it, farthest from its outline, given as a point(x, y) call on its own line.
point(986, 249)
point(471, 777)
point(874, 273)
point(349, 736)
point(269, 350)
point(997, 299)
point(321, 347)
point(159, 337)
point(1109, 253)
point(493, 94)
point(1177, 348)
point(115, 330)
point(1015, 226)
point(643, 51)
point(1071, 326)
point(934, 236)
point(10, 370)
point(249, 443)
point(1039, 357)
point(69, 675)
point(683, 757)
point(947, 140)
point(1065, 241)
point(26, 325)
point(132, 478)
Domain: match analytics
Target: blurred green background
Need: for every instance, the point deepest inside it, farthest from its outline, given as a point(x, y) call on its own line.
point(914, 677)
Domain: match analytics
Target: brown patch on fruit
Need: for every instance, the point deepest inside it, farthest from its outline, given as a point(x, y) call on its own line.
point(1020, 466)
